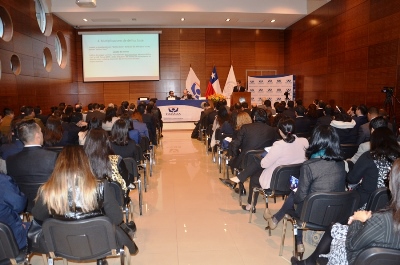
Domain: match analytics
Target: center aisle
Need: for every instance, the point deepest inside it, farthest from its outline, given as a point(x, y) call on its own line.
point(190, 217)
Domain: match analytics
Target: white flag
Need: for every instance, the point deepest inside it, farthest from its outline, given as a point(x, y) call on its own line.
point(193, 84)
point(230, 83)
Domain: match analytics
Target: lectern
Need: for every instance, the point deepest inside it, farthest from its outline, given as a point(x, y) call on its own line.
point(240, 97)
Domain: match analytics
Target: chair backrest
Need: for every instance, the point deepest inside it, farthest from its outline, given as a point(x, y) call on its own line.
point(119, 193)
point(248, 155)
point(138, 154)
point(348, 150)
point(8, 244)
point(325, 208)
point(131, 165)
point(280, 180)
point(87, 239)
point(379, 199)
point(144, 143)
point(30, 190)
point(378, 256)
point(56, 149)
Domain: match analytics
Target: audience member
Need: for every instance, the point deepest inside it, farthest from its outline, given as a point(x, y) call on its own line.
point(267, 104)
point(15, 145)
point(290, 112)
point(302, 122)
point(312, 114)
point(33, 164)
point(132, 133)
point(352, 111)
point(110, 118)
point(373, 167)
point(73, 183)
point(103, 161)
point(139, 125)
point(345, 127)
point(96, 113)
point(5, 125)
point(365, 229)
point(121, 144)
point(324, 171)
point(327, 118)
point(361, 117)
point(55, 135)
point(30, 115)
point(12, 203)
point(364, 130)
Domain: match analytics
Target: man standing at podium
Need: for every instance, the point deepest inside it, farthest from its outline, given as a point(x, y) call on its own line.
point(239, 87)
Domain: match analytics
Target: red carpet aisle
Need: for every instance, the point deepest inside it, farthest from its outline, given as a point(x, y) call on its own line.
point(190, 217)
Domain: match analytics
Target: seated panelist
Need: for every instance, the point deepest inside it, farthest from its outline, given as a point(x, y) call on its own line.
point(171, 96)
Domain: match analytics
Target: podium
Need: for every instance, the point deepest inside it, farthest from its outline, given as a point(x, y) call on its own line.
point(237, 96)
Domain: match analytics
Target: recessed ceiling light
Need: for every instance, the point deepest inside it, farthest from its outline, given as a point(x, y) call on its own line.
point(272, 21)
point(85, 19)
point(183, 19)
point(228, 19)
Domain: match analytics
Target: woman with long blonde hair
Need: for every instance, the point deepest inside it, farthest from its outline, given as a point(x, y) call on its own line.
point(73, 192)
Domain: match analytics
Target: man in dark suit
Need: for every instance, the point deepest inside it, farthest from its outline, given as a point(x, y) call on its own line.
point(302, 123)
point(361, 118)
point(33, 165)
point(327, 118)
point(95, 114)
point(186, 95)
point(289, 112)
point(364, 131)
point(253, 136)
point(171, 96)
point(239, 87)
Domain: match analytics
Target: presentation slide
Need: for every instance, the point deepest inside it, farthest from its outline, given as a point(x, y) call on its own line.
point(120, 56)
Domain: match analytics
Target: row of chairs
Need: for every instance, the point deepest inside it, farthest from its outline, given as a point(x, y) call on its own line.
point(80, 240)
point(320, 209)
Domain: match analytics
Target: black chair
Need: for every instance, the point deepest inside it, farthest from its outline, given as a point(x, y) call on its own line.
point(30, 190)
point(131, 165)
point(56, 149)
point(379, 199)
point(280, 184)
point(378, 256)
point(245, 160)
point(9, 252)
point(123, 200)
point(141, 164)
point(221, 151)
point(320, 210)
point(348, 150)
point(82, 240)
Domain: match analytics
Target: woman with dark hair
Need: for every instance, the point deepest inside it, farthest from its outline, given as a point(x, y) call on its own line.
point(66, 116)
point(103, 161)
point(132, 132)
point(110, 118)
point(120, 142)
point(372, 168)
point(54, 135)
point(92, 124)
point(73, 183)
point(289, 150)
point(364, 230)
point(345, 126)
point(324, 171)
point(312, 114)
point(221, 122)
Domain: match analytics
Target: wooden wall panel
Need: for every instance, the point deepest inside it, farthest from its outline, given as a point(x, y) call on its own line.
point(363, 42)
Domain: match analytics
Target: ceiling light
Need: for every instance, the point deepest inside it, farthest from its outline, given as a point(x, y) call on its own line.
point(183, 19)
point(228, 19)
point(272, 21)
point(86, 3)
point(85, 19)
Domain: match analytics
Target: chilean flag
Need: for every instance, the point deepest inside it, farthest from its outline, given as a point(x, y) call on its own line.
point(213, 86)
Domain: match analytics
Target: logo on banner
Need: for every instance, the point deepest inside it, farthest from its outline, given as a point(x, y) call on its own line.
point(288, 81)
point(261, 90)
point(278, 99)
point(252, 90)
point(251, 81)
point(279, 90)
point(279, 81)
point(173, 111)
point(270, 99)
point(252, 98)
point(269, 82)
point(261, 81)
point(269, 89)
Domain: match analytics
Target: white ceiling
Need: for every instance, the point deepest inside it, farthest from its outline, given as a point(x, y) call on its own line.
point(198, 14)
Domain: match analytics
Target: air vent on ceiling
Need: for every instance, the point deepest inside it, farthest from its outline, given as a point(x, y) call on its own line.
point(86, 3)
